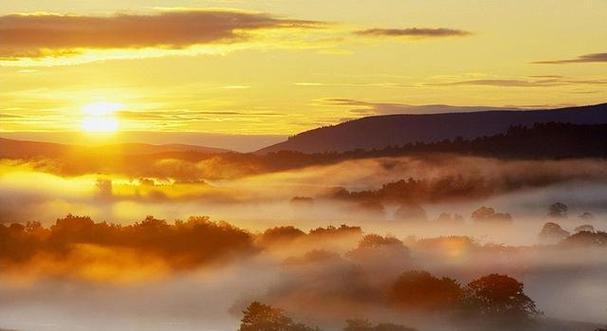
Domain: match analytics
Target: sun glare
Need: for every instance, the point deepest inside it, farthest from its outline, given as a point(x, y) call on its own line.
point(100, 117)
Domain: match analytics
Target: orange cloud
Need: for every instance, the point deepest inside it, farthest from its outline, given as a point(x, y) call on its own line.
point(32, 36)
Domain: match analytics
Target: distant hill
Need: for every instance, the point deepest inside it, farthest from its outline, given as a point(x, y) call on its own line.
point(377, 132)
point(138, 148)
point(540, 141)
point(551, 140)
point(14, 149)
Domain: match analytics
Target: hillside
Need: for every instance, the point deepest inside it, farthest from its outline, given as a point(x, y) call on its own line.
point(378, 132)
point(539, 141)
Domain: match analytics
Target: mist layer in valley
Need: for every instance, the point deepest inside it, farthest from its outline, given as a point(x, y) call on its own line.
point(325, 244)
point(419, 195)
point(201, 274)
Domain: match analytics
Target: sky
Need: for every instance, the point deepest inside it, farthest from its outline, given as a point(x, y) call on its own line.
point(273, 68)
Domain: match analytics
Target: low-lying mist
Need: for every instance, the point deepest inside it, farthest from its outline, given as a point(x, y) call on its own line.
point(200, 274)
point(421, 195)
point(279, 238)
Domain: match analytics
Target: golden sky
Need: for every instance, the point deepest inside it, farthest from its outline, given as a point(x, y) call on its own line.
point(284, 66)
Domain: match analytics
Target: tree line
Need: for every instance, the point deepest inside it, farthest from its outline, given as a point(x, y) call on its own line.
point(497, 301)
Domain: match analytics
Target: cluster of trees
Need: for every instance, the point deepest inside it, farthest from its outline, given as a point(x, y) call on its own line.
point(409, 193)
point(559, 210)
point(583, 235)
point(282, 234)
point(380, 251)
point(586, 239)
point(495, 297)
point(413, 212)
point(369, 276)
point(181, 244)
point(366, 325)
point(412, 190)
point(184, 244)
point(552, 232)
point(496, 300)
point(487, 214)
point(450, 219)
point(419, 290)
point(261, 317)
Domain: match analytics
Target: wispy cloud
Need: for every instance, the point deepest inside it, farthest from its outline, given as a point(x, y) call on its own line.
point(346, 84)
point(414, 32)
point(587, 58)
point(367, 108)
point(505, 82)
point(185, 115)
point(544, 82)
point(236, 87)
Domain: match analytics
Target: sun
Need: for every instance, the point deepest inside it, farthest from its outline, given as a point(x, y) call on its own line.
point(100, 117)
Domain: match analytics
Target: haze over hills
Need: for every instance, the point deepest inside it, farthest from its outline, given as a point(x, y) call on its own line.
point(11, 148)
point(396, 130)
point(243, 143)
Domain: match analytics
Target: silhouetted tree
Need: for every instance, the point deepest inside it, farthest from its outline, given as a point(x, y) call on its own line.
point(261, 317)
point(342, 230)
point(586, 239)
point(486, 214)
point(411, 212)
point(584, 227)
point(558, 210)
point(552, 232)
point(375, 241)
point(450, 219)
point(365, 325)
point(313, 256)
point(380, 253)
point(392, 327)
point(586, 216)
point(373, 207)
point(421, 290)
point(358, 325)
point(499, 297)
point(280, 234)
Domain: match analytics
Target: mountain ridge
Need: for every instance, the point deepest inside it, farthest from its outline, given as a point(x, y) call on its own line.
point(380, 131)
